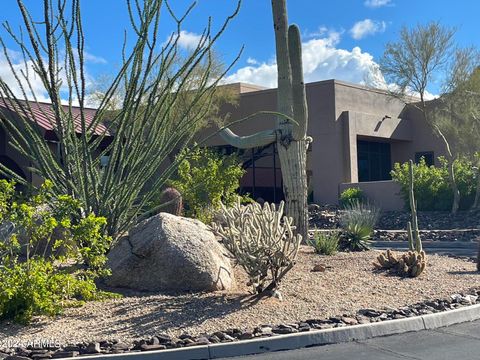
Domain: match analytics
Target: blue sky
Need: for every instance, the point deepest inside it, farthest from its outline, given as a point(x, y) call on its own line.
point(342, 38)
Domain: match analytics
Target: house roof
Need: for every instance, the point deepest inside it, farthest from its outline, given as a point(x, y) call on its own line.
point(43, 115)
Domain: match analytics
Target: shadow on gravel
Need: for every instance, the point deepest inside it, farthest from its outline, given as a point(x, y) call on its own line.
point(181, 311)
point(145, 313)
point(464, 272)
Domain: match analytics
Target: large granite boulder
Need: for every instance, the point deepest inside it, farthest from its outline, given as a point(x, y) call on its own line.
point(168, 252)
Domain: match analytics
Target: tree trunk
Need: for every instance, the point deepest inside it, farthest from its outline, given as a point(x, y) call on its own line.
point(478, 257)
point(476, 203)
point(453, 183)
point(451, 169)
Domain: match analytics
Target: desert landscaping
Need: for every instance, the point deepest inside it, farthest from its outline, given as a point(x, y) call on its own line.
point(163, 207)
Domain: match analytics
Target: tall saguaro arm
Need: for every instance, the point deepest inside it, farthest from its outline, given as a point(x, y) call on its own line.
point(299, 96)
point(291, 137)
point(259, 139)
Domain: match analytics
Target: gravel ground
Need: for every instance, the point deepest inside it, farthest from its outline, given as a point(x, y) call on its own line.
point(348, 284)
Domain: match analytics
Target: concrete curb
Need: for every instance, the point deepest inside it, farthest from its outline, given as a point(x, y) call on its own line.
point(306, 339)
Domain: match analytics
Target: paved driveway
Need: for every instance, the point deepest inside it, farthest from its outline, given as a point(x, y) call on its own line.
point(458, 342)
point(464, 249)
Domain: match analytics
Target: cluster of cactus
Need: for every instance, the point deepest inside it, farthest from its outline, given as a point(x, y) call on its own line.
point(414, 261)
point(410, 264)
point(261, 240)
point(171, 201)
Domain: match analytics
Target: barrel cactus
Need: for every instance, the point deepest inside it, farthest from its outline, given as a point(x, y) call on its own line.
point(171, 201)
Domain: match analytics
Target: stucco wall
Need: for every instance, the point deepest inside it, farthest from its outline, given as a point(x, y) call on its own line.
point(339, 113)
point(385, 194)
point(357, 111)
point(423, 139)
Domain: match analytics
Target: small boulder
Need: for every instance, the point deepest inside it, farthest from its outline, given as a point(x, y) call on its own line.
point(319, 268)
point(168, 252)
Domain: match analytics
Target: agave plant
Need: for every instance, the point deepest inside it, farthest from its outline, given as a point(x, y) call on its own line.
point(358, 222)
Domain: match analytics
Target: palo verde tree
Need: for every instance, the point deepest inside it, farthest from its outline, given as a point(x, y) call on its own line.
point(214, 66)
point(291, 126)
point(412, 63)
point(457, 111)
point(149, 124)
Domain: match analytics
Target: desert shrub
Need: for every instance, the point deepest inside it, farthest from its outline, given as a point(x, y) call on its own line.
point(432, 186)
point(358, 222)
point(261, 241)
point(35, 277)
point(205, 179)
point(325, 242)
point(466, 177)
point(350, 196)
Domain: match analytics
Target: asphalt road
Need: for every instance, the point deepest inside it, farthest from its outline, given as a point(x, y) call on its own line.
point(458, 342)
point(463, 249)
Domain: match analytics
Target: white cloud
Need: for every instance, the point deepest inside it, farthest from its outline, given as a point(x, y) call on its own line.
point(252, 61)
point(93, 58)
point(410, 92)
point(186, 40)
point(367, 27)
point(377, 3)
point(321, 31)
point(30, 80)
point(19, 66)
point(322, 60)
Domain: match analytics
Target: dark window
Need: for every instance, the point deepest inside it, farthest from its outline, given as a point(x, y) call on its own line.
point(427, 155)
point(374, 161)
point(224, 149)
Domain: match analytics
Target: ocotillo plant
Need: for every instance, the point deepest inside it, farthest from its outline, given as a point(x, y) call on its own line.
point(414, 241)
point(165, 98)
point(290, 136)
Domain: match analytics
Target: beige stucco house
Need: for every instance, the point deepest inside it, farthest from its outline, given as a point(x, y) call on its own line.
point(44, 118)
point(358, 134)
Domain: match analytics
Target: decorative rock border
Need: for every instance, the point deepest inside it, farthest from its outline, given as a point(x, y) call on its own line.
point(327, 217)
point(432, 220)
point(365, 324)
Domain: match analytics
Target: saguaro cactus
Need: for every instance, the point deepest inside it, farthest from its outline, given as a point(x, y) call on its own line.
point(291, 137)
point(414, 261)
point(414, 241)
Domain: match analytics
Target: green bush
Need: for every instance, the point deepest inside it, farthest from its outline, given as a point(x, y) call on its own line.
point(358, 222)
point(325, 242)
point(206, 179)
point(432, 186)
point(50, 255)
point(350, 196)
